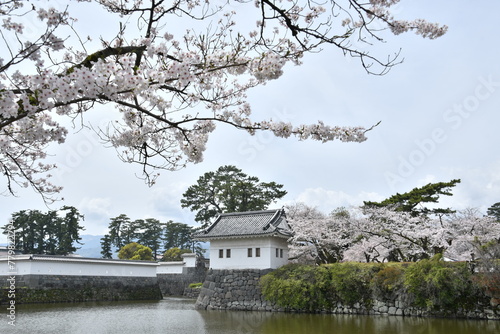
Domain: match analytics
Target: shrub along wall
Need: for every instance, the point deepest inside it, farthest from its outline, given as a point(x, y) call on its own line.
point(425, 288)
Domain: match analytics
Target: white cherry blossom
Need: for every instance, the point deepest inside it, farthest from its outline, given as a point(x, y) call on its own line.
point(384, 234)
point(171, 89)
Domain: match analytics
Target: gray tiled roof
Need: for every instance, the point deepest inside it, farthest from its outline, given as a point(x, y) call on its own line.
point(247, 224)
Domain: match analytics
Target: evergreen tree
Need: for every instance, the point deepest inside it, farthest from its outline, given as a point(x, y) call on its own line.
point(54, 232)
point(120, 231)
point(414, 200)
point(150, 233)
point(229, 190)
point(177, 235)
point(106, 252)
point(69, 230)
point(494, 211)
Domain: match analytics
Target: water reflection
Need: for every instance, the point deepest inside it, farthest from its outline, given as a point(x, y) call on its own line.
point(178, 316)
point(166, 316)
point(285, 323)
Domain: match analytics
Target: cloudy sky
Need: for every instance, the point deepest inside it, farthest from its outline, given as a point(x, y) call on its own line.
point(439, 113)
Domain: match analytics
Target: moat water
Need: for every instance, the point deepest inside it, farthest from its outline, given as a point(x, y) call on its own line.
point(178, 316)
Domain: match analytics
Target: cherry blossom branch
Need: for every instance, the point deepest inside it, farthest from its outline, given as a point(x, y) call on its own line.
point(154, 78)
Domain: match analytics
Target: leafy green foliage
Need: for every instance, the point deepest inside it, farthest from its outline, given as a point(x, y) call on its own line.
point(135, 251)
point(351, 282)
point(174, 254)
point(298, 287)
point(314, 288)
point(121, 231)
point(432, 284)
point(438, 285)
point(229, 190)
point(389, 280)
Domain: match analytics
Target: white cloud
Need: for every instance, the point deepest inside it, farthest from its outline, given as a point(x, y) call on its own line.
point(428, 179)
point(97, 213)
point(328, 200)
point(165, 203)
point(98, 206)
point(480, 186)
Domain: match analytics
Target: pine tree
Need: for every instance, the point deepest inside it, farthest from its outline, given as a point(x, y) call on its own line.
point(229, 190)
point(414, 200)
point(494, 211)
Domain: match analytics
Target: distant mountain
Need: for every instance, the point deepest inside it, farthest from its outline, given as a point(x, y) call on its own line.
point(91, 246)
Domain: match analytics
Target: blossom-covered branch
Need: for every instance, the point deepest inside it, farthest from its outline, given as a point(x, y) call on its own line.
point(170, 86)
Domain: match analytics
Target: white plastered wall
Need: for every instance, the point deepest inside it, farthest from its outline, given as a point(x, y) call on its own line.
point(24, 266)
point(239, 253)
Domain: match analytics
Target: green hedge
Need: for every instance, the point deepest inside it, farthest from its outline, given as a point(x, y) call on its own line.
point(445, 286)
point(433, 285)
point(314, 288)
point(298, 287)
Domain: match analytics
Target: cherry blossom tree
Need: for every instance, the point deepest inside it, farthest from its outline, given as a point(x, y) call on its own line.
point(471, 235)
point(387, 234)
point(318, 238)
point(381, 234)
point(172, 70)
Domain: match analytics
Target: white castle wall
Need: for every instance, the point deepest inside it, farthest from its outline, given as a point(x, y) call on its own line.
point(74, 266)
point(239, 258)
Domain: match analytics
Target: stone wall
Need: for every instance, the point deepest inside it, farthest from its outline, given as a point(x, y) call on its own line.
point(175, 284)
point(71, 288)
point(233, 290)
point(400, 308)
point(192, 292)
point(239, 290)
